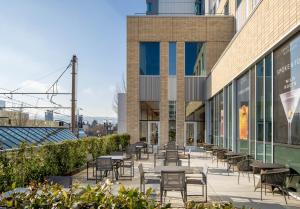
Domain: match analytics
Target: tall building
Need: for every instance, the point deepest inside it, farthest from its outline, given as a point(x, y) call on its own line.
point(178, 7)
point(230, 77)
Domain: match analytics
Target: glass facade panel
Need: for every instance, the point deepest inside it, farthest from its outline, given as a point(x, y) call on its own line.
point(260, 110)
point(195, 112)
point(243, 93)
point(229, 116)
point(195, 59)
point(149, 58)
point(252, 113)
point(149, 111)
point(172, 58)
point(172, 120)
point(268, 108)
point(287, 92)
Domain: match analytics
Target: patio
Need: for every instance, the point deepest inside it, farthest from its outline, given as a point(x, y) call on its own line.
point(221, 187)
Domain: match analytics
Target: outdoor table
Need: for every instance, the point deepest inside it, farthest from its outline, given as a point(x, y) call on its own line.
point(117, 159)
point(259, 166)
point(187, 169)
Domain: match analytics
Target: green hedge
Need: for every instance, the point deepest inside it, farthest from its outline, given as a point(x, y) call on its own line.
point(28, 164)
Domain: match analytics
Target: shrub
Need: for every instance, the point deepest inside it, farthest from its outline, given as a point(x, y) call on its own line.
point(99, 196)
point(35, 163)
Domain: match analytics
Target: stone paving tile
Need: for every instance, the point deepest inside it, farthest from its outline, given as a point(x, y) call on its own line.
point(221, 186)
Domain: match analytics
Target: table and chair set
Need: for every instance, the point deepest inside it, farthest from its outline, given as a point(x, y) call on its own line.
point(272, 175)
point(117, 163)
point(171, 175)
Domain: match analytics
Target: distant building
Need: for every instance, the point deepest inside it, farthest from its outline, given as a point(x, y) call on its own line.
point(49, 115)
point(121, 113)
point(2, 105)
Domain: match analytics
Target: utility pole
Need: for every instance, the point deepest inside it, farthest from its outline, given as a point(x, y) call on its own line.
point(74, 95)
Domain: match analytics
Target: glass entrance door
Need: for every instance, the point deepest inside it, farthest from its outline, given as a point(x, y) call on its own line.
point(153, 133)
point(190, 130)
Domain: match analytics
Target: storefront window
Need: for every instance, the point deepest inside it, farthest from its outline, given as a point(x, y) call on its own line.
point(287, 92)
point(243, 93)
point(260, 110)
point(268, 108)
point(252, 112)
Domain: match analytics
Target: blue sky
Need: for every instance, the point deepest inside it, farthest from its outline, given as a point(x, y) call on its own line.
point(38, 39)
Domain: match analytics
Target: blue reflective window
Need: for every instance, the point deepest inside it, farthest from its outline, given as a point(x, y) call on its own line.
point(149, 58)
point(172, 58)
point(149, 7)
point(194, 58)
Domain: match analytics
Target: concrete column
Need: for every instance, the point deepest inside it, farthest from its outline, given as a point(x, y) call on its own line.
point(164, 102)
point(180, 102)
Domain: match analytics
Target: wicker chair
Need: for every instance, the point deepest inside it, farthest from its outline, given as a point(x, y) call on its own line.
point(199, 180)
point(91, 163)
point(171, 146)
point(275, 178)
point(172, 157)
point(173, 181)
point(233, 161)
point(104, 165)
point(127, 163)
point(244, 167)
point(147, 179)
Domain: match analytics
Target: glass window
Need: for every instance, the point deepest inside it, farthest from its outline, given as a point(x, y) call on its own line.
point(149, 7)
point(194, 59)
point(226, 9)
point(259, 110)
point(243, 93)
point(149, 111)
point(268, 108)
point(172, 120)
point(172, 58)
point(149, 58)
point(252, 112)
point(287, 92)
point(229, 117)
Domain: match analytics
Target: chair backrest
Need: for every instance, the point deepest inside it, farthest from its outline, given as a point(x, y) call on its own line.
point(172, 155)
point(244, 165)
point(275, 176)
point(65, 181)
point(117, 153)
point(141, 170)
point(104, 164)
point(173, 180)
point(171, 145)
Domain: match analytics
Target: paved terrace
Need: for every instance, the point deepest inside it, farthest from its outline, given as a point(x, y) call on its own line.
point(221, 187)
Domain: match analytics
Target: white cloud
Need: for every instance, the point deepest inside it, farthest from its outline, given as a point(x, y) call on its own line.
point(31, 85)
point(88, 91)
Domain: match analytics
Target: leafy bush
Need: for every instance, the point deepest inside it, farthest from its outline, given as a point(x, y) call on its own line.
point(46, 196)
point(35, 163)
point(193, 205)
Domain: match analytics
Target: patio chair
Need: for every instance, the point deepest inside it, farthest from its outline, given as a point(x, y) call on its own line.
point(173, 181)
point(127, 163)
point(147, 179)
point(233, 161)
point(220, 155)
point(158, 156)
point(91, 163)
point(171, 146)
point(172, 157)
point(104, 165)
point(199, 180)
point(244, 167)
point(65, 181)
point(275, 178)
